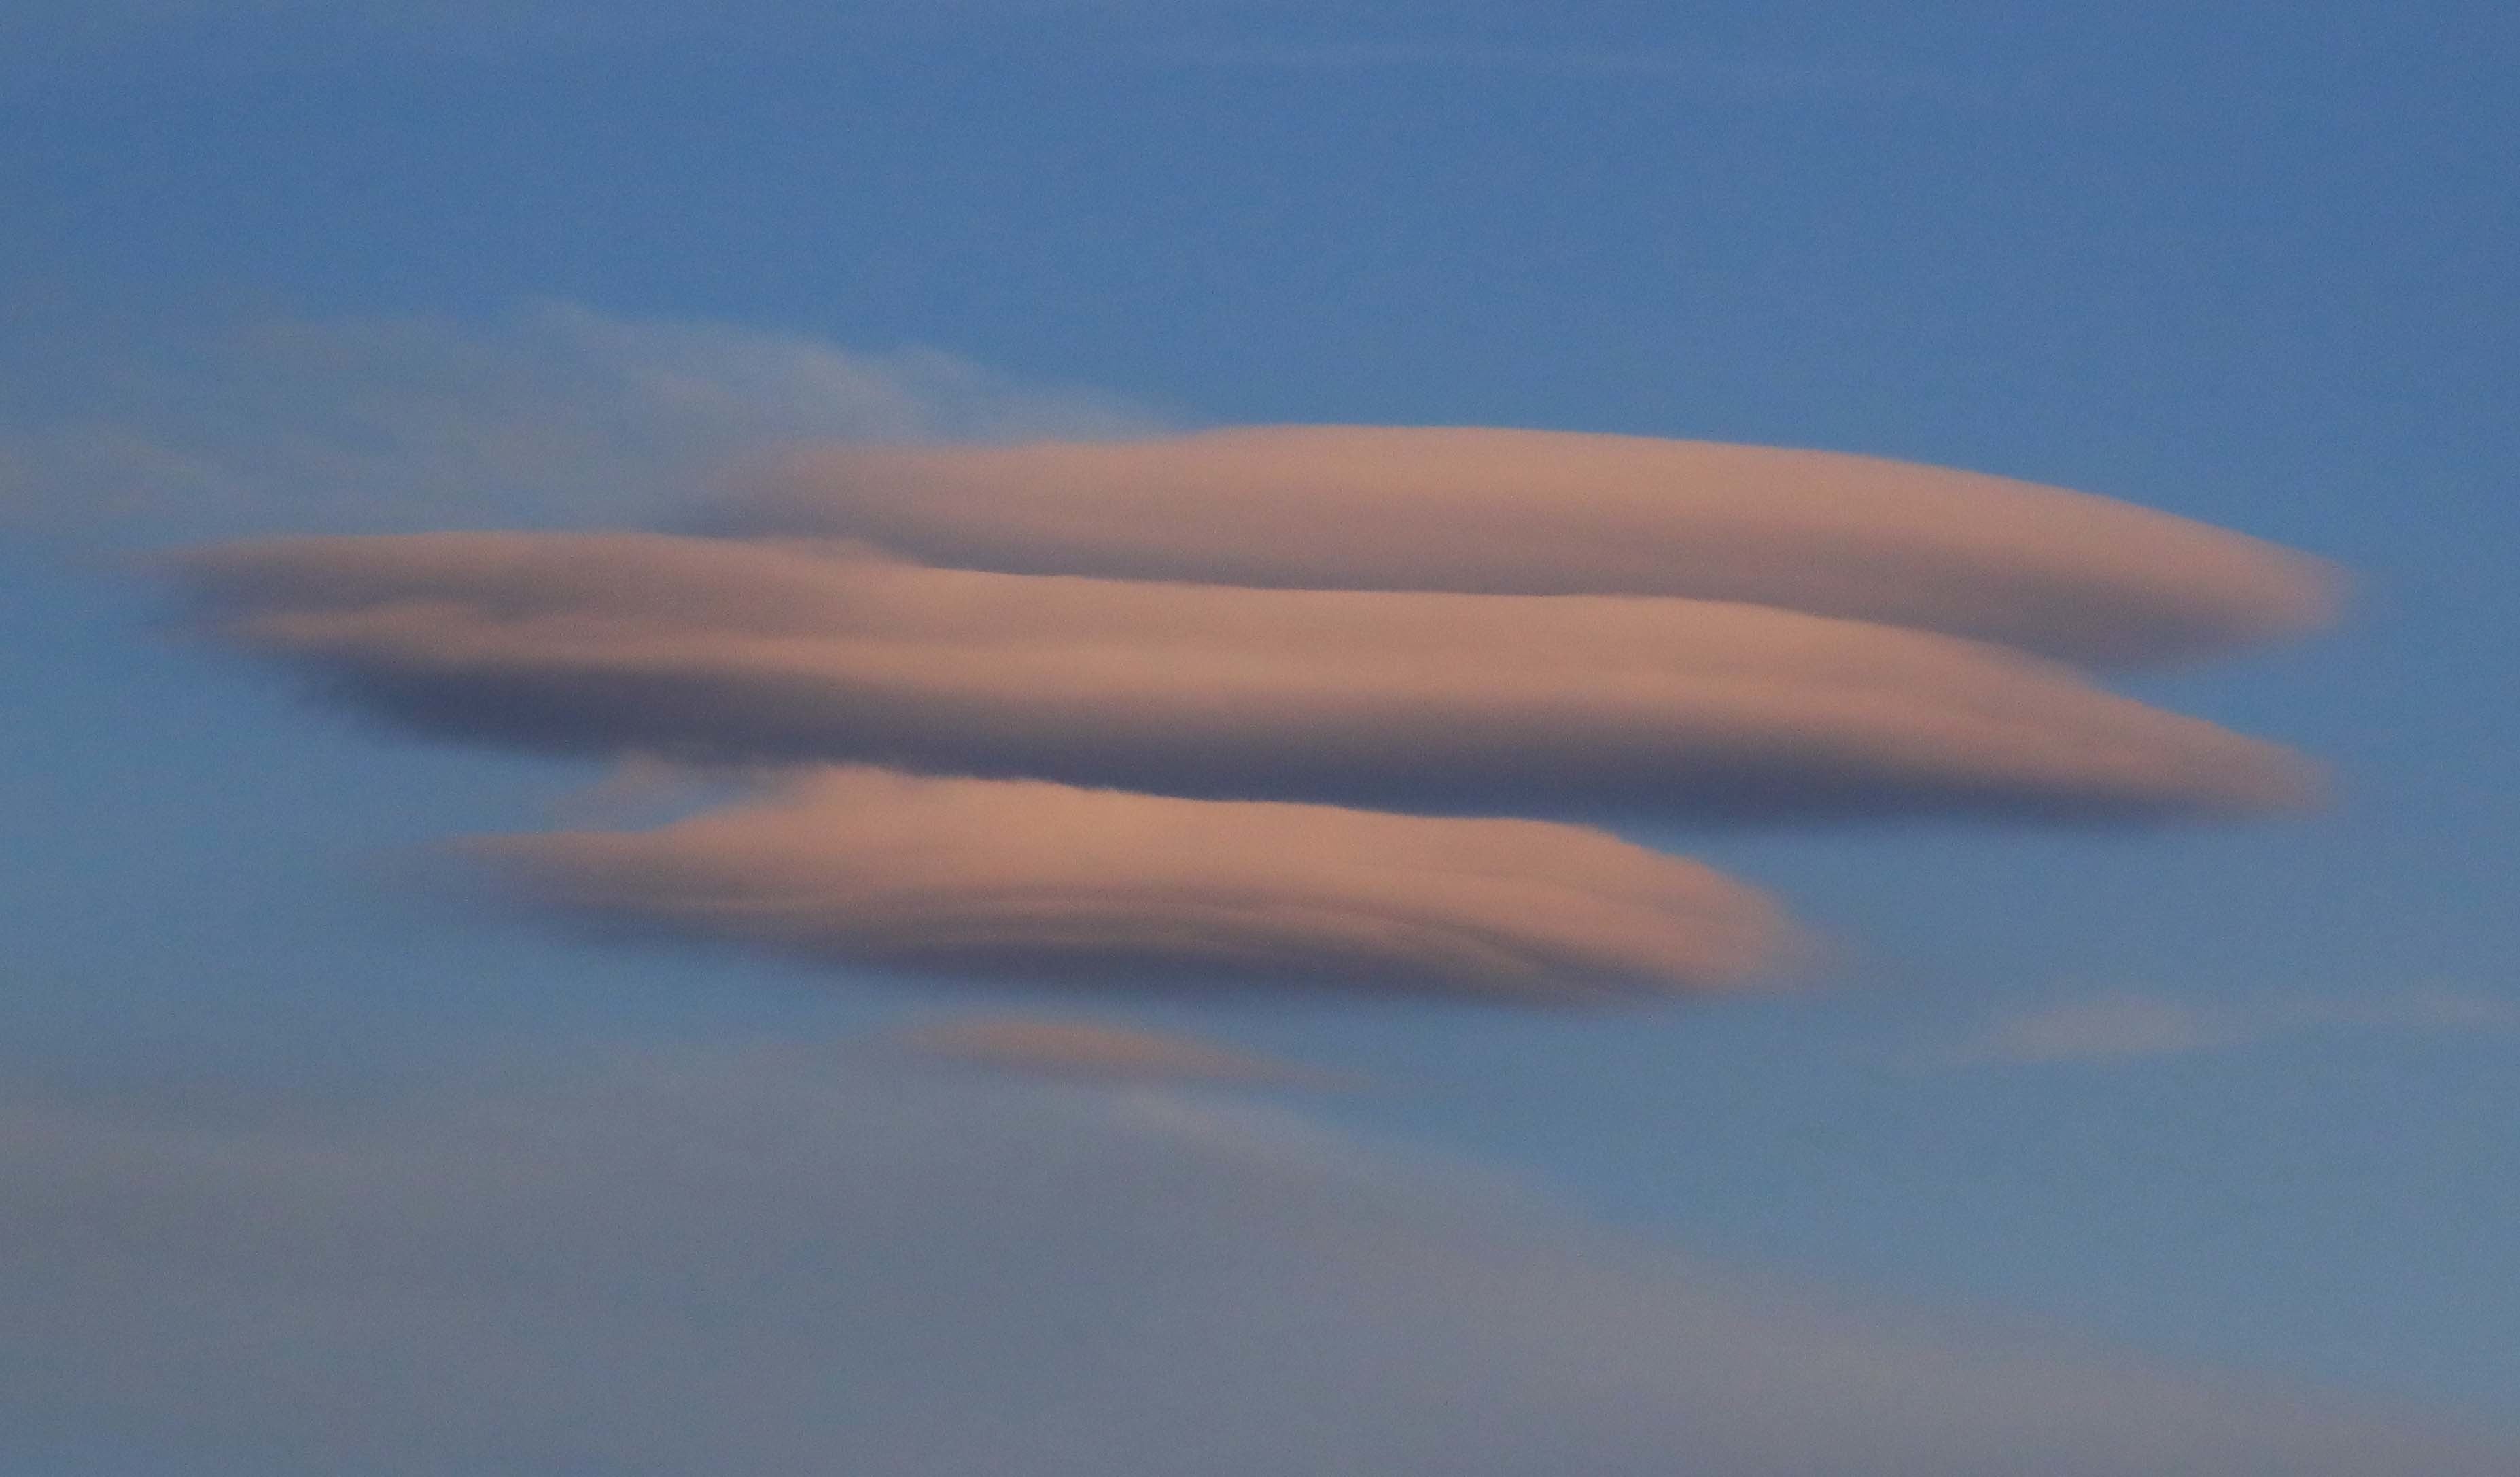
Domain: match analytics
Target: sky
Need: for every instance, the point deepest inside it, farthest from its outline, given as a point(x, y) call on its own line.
point(411, 1057)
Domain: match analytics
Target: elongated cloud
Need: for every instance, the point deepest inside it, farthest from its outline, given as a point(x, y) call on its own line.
point(1553, 513)
point(2134, 1025)
point(735, 649)
point(1034, 880)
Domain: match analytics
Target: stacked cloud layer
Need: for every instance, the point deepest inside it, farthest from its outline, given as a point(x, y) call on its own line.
point(729, 650)
point(1450, 621)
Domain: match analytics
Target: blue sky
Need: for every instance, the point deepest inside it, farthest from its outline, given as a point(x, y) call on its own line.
point(2234, 1097)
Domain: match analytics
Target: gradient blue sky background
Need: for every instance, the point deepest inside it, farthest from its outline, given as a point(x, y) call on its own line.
point(2243, 1098)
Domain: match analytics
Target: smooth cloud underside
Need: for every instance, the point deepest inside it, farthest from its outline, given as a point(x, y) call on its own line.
point(733, 649)
point(1487, 511)
point(1027, 879)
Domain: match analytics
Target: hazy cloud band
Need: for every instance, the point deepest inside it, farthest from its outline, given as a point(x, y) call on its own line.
point(758, 1262)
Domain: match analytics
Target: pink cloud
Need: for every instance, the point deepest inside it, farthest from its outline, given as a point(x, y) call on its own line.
point(1484, 511)
point(1164, 664)
point(735, 650)
point(1033, 880)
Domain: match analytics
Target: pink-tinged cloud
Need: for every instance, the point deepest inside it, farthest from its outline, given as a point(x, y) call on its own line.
point(2127, 1025)
point(1486, 510)
point(744, 651)
point(1014, 878)
point(1038, 1047)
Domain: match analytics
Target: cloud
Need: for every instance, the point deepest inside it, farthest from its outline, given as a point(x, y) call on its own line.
point(2118, 1024)
point(750, 650)
point(2130, 1024)
point(1437, 621)
point(1091, 1051)
point(547, 414)
point(753, 1262)
point(1031, 880)
point(1484, 511)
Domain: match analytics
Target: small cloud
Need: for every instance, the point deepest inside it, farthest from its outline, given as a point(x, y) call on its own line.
point(2104, 1028)
point(2129, 1024)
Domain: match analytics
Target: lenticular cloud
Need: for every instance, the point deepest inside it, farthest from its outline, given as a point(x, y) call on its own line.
point(732, 650)
point(1494, 512)
point(1244, 705)
point(1033, 880)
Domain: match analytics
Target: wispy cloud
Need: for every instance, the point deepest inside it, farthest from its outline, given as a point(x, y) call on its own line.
point(548, 414)
point(2122, 1025)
